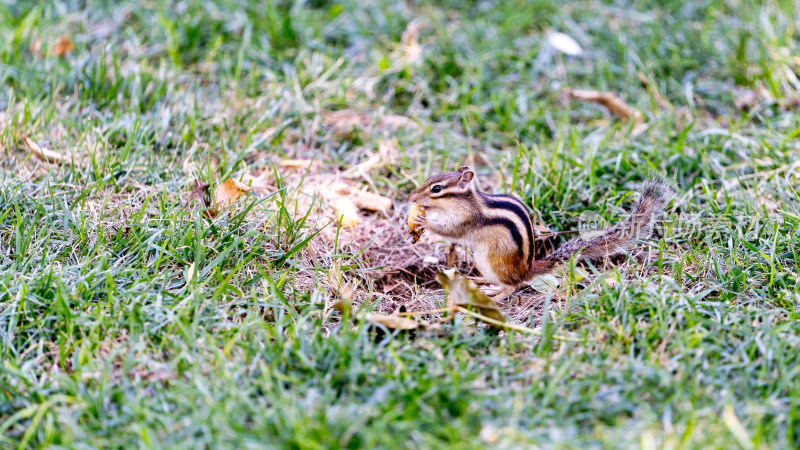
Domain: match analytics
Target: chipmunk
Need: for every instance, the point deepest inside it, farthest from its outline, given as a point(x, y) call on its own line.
point(499, 231)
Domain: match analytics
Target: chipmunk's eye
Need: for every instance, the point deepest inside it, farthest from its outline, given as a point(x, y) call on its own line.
point(436, 188)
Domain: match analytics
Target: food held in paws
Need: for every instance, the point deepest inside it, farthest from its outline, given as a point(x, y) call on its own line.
point(414, 229)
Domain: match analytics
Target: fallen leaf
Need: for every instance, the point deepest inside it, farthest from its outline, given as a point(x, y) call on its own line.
point(44, 154)
point(200, 193)
point(63, 46)
point(392, 321)
point(564, 43)
point(464, 293)
point(545, 283)
point(228, 192)
point(346, 212)
point(610, 101)
point(610, 282)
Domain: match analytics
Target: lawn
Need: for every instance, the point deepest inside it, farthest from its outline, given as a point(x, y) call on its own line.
point(136, 312)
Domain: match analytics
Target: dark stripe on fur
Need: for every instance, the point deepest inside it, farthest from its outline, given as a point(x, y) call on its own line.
point(508, 224)
point(515, 206)
point(446, 194)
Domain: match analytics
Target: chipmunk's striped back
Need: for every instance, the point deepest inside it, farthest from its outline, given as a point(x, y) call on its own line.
point(511, 213)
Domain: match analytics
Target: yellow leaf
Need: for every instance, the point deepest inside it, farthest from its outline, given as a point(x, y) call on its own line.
point(228, 192)
point(464, 293)
point(346, 212)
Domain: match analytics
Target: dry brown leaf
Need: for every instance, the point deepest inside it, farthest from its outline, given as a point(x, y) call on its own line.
point(610, 101)
point(346, 212)
point(44, 154)
point(228, 192)
point(464, 293)
point(392, 321)
point(63, 46)
point(200, 193)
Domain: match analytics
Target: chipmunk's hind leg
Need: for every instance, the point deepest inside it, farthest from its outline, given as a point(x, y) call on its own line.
point(504, 294)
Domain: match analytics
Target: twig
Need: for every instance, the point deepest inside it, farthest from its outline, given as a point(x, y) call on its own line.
point(44, 154)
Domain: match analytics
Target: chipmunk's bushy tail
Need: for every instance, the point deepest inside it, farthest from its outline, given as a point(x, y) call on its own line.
point(655, 193)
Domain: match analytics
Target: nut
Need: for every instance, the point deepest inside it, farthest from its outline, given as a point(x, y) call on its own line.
point(414, 229)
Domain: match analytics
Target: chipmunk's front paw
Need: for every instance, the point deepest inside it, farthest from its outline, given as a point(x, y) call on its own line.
point(418, 221)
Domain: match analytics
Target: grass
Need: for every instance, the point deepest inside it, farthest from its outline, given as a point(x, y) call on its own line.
point(127, 319)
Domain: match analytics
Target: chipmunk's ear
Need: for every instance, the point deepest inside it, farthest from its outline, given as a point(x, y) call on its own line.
point(466, 176)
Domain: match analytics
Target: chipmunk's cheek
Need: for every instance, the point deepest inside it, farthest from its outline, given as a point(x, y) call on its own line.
point(433, 217)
